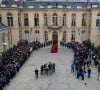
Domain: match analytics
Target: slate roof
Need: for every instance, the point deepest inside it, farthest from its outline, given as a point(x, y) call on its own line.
point(59, 3)
point(3, 26)
point(54, 3)
point(65, 4)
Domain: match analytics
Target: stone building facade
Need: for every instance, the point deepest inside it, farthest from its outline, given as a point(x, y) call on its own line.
point(56, 21)
point(5, 37)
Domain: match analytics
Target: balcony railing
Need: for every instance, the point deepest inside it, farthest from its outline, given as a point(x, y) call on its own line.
point(54, 27)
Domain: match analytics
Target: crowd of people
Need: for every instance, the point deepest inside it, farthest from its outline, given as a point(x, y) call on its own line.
point(63, 43)
point(14, 59)
point(46, 69)
point(48, 43)
point(84, 58)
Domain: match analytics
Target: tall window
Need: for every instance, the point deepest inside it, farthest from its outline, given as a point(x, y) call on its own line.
point(64, 20)
point(98, 20)
point(73, 36)
point(83, 19)
point(36, 20)
point(46, 36)
point(0, 19)
point(73, 20)
point(10, 19)
point(55, 19)
point(26, 22)
point(64, 36)
point(19, 20)
point(37, 36)
point(45, 20)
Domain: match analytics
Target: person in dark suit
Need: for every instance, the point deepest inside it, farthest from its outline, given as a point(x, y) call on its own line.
point(36, 73)
point(52, 49)
point(55, 49)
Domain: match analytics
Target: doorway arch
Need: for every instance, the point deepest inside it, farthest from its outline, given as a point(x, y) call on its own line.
point(55, 37)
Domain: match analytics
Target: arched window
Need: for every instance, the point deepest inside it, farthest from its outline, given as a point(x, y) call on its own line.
point(55, 19)
point(26, 22)
point(73, 20)
point(73, 36)
point(46, 36)
point(0, 19)
point(37, 36)
point(98, 20)
point(10, 19)
point(64, 36)
point(84, 19)
point(36, 20)
point(64, 20)
point(45, 20)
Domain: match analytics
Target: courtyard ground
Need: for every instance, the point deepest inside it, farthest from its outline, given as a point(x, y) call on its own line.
point(62, 79)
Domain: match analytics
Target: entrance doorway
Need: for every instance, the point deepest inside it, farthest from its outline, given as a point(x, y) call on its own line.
point(55, 37)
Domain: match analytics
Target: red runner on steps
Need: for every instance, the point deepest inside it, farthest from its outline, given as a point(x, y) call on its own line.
point(54, 48)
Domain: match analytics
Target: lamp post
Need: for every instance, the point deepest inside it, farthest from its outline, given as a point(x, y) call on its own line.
point(5, 44)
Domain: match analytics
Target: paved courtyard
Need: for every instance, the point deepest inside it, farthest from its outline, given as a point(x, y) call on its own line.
point(63, 79)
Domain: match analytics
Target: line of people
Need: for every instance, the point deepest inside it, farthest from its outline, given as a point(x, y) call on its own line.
point(83, 58)
point(13, 61)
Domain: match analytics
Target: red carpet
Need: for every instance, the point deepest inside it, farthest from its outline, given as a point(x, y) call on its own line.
point(54, 48)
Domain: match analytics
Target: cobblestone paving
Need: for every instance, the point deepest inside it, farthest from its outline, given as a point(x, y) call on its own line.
point(61, 80)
